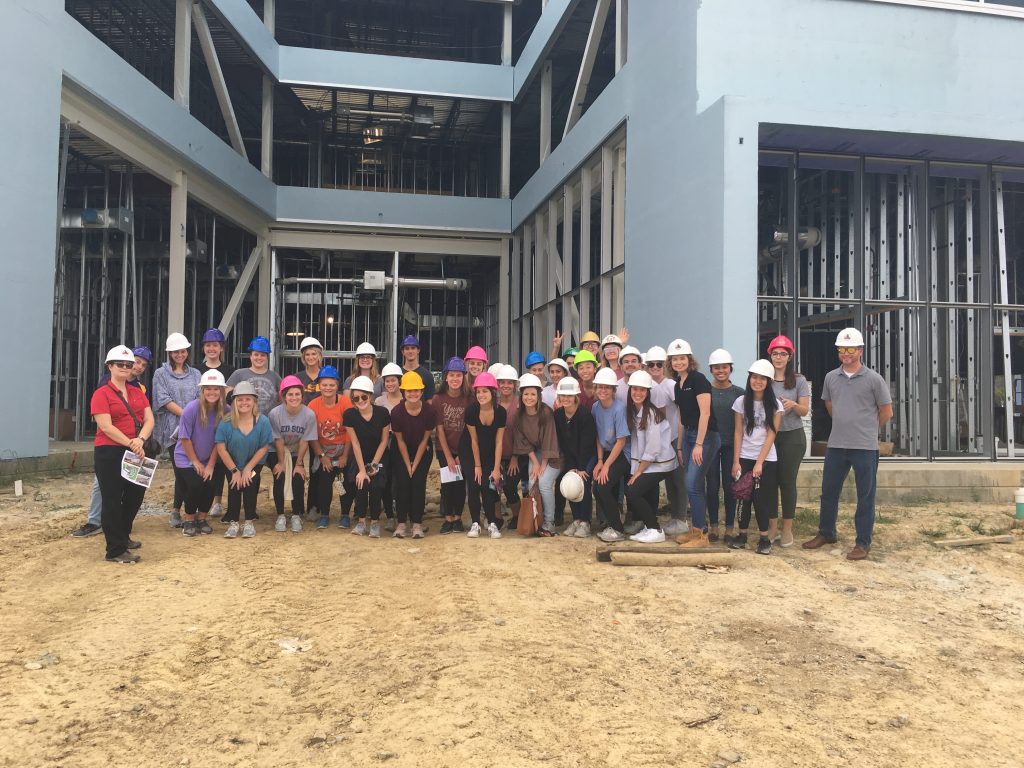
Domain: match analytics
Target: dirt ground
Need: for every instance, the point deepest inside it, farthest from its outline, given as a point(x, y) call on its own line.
point(322, 648)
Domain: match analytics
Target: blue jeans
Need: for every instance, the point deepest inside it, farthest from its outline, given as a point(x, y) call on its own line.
point(838, 462)
point(546, 482)
point(95, 504)
point(720, 477)
point(696, 477)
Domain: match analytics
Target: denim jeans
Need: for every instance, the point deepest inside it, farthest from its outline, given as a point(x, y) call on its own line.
point(838, 462)
point(95, 504)
point(696, 477)
point(720, 477)
point(546, 482)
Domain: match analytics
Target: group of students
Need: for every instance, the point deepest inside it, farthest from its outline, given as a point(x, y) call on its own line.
point(602, 423)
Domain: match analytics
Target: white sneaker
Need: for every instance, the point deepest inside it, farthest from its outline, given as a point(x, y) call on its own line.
point(216, 511)
point(582, 529)
point(609, 536)
point(674, 527)
point(374, 530)
point(232, 531)
point(296, 524)
point(786, 540)
point(360, 529)
point(281, 525)
point(492, 529)
point(474, 531)
point(248, 530)
point(649, 536)
point(634, 527)
point(570, 529)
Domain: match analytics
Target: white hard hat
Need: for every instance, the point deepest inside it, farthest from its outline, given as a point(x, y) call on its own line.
point(849, 337)
point(656, 354)
point(679, 347)
point(362, 383)
point(641, 379)
point(495, 369)
point(567, 386)
point(120, 354)
point(762, 368)
point(629, 351)
point(607, 377)
point(176, 342)
point(309, 341)
point(529, 380)
point(392, 370)
point(720, 357)
point(212, 378)
point(507, 373)
point(611, 338)
point(559, 362)
point(572, 487)
point(366, 348)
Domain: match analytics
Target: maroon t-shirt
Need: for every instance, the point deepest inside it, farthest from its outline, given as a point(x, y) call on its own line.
point(451, 417)
point(412, 428)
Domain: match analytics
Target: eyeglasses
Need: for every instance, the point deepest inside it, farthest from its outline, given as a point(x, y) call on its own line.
point(124, 365)
point(658, 364)
point(359, 398)
point(780, 353)
point(846, 350)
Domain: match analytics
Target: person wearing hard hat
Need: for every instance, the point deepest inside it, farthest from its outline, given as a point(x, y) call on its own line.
point(175, 385)
point(476, 361)
point(612, 454)
point(558, 369)
point(756, 423)
point(312, 352)
point(508, 398)
point(412, 424)
point(481, 463)
point(411, 362)
point(213, 353)
point(534, 438)
point(794, 393)
point(629, 363)
point(390, 397)
point(368, 428)
point(365, 364)
point(859, 403)
point(652, 458)
point(266, 382)
point(195, 455)
point(449, 406)
point(294, 426)
point(123, 420)
point(576, 432)
point(331, 448)
point(698, 432)
point(534, 363)
point(591, 342)
point(586, 368)
point(570, 359)
point(243, 437)
point(611, 347)
point(723, 395)
point(663, 396)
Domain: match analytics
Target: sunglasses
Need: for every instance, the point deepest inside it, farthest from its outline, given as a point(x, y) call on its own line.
point(846, 350)
point(124, 365)
point(359, 398)
point(658, 364)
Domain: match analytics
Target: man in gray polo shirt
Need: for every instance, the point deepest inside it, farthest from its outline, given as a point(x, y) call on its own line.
point(859, 403)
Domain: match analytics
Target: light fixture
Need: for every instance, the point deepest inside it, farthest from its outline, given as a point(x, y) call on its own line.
point(373, 134)
point(330, 319)
point(294, 333)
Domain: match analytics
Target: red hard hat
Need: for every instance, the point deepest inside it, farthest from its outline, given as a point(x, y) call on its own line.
point(783, 342)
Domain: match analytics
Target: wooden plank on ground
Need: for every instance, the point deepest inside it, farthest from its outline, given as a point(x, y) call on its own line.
point(975, 540)
point(652, 559)
point(604, 553)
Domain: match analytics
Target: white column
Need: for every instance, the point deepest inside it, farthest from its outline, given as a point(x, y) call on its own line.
point(182, 51)
point(503, 299)
point(178, 244)
point(545, 111)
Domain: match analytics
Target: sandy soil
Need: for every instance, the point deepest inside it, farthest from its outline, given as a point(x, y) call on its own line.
point(324, 649)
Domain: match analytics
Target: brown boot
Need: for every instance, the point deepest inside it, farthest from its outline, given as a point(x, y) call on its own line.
point(818, 542)
point(699, 539)
point(685, 537)
point(857, 553)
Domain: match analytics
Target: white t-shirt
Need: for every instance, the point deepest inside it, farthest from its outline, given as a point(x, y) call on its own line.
point(754, 442)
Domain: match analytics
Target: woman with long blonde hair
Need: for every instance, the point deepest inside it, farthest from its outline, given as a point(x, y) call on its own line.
point(195, 457)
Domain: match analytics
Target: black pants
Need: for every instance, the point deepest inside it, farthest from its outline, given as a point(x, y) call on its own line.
point(121, 499)
point(179, 483)
point(479, 494)
point(298, 488)
point(198, 492)
point(367, 499)
point(640, 494)
point(323, 480)
point(453, 495)
point(510, 483)
point(766, 496)
point(582, 509)
point(411, 491)
point(392, 458)
point(243, 498)
point(607, 494)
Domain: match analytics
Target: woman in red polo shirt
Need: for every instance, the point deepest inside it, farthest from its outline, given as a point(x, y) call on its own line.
point(124, 420)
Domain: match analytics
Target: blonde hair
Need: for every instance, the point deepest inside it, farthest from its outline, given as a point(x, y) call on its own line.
point(205, 408)
point(374, 370)
point(232, 417)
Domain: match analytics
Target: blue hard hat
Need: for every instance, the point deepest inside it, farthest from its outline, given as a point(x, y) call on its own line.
point(328, 372)
point(533, 358)
point(144, 352)
point(411, 341)
point(214, 334)
point(455, 364)
point(260, 344)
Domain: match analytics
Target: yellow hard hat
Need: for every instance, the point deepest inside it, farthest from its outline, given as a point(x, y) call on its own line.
point(590, 336)
point(411, 380)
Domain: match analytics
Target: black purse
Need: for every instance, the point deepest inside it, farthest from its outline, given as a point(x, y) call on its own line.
point(745, 485)
point(150, 446)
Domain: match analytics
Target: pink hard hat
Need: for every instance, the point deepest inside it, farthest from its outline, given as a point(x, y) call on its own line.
point(291, 381)
point(485, 380)
point(475, 353)
point(781, 342)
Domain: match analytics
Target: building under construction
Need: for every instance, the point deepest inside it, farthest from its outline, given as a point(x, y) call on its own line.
point(489, 171)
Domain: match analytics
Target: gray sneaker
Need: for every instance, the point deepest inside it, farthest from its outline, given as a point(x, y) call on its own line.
point(248, 530)
point(175, 521)
point(634, 527)
point(204, 527)
point(609, 536)
point(296, 524)
point(360, 529)
point(281, 525)
point(232, 531)
point(374, 530)
point(582, 529)
point(675, 527)
point(391, 524)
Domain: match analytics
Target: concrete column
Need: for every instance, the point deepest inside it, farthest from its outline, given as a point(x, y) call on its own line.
point(504, 309)
point(178, 244)
point(267, 113)
point(264, 317)
point(545, 111)
point(182, 51)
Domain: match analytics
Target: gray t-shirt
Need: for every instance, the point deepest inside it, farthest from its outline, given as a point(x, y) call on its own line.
point(721, 406)
point(265, 384)
point(293, 429)
point(790, 420)
point(855, 403)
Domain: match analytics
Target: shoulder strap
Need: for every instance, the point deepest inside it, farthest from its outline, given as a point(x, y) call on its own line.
point(138, 424)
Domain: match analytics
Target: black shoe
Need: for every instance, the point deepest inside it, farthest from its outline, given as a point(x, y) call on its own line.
point(713, 535)
point(203, 527)
point(457, 527)
point(133, 544)
point(124, 557)
point(175, 521)
point(189, 528)
point(739, 541)
point(89, 529)
point(446, 527)
point(764, 546)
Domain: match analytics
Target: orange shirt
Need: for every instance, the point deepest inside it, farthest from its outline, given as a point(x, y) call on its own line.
point(329, 427)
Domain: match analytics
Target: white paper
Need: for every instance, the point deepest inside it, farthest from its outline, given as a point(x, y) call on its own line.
point(138, 471)
point(451, 475)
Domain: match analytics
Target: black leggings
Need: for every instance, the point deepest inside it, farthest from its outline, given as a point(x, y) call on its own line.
point(298, 488)
point(411, 492)
point(367, 499)
point(640, 495)
point(243, 498)
point(607, 495)
point(582, 509)
point(121, 499)
point(510, 483)
point(766, 496)
point(453, 495)
point(198, 492)
point(179, 482)
point(479, 493)
point(323, 480)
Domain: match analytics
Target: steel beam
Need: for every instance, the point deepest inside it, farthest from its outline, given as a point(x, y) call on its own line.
point(621, 33)
point(178, 247)
point(1009, 386)
point(227, 320)
point(264, 309)
point(545, 111)
point(579, 93)
point(267, 106)
point(504, 309)
point(182, 51)
point(383, 243)
point(220, 85)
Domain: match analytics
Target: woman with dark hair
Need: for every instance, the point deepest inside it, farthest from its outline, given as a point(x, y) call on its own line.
point(577, 441)
point(412, 423)
point(652, 457)
point(758, 415)
point(534, 437)
point(123, 420)
point(794, 393)
point(294, 427)
point(195, 456)
point(449, 404)
point(481, 453)
point(368, 428)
